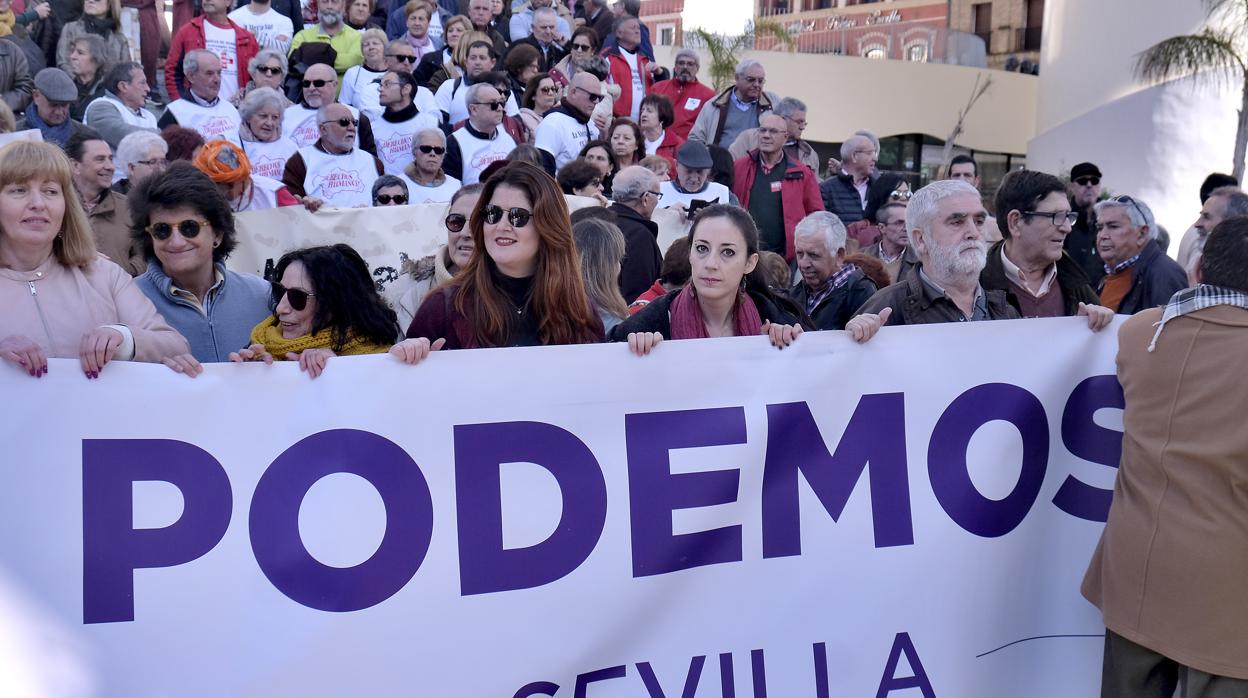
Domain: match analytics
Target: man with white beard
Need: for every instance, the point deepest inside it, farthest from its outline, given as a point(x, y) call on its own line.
point(946, 220)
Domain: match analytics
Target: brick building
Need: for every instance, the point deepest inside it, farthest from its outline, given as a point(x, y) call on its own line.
point(1009, 28)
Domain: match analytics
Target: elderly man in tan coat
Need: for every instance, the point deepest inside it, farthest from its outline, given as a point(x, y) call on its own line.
point(1170, 574)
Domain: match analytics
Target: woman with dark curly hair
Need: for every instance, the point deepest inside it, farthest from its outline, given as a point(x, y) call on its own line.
point(324, 304)
point(185, 229)
point(522, 286)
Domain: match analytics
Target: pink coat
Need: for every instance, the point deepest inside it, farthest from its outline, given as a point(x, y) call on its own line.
point(55, 305)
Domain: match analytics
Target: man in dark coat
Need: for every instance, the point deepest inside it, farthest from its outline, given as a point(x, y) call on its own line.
point(1138, 275)
point(636, 195)
point(846, 193)
point(830, 290)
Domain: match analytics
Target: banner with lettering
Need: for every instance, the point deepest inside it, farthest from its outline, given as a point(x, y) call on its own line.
point(908, 517)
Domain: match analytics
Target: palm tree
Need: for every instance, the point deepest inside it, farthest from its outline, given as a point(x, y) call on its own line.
point(725, 50)
point(1215, 57)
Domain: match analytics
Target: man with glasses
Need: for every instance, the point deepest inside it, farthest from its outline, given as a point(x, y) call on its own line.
point(333, 169)
point(845, 193)
point(1137, 274)
point(395, 132)
point(687, 95)
point(893, 249)
point(201, 107)
point(777, 190)
point(481, 141)
point(793, 111)
point(1085, 191)
point(139, 156)
point(542, 28)
point(1030, 265)
point(566, 129)
point(320, 87)
point(120, 111)
point(636, 194)
point(737, 108)
point(427, 183)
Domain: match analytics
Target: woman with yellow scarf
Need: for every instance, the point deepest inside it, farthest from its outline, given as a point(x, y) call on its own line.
point(324, 305)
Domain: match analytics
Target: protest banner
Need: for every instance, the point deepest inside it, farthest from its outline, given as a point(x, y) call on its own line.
point(908, 517)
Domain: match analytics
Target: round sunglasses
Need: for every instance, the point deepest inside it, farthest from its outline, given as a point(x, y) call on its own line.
point(297, 297)
point(188, 229)
point(398, 199)
point(518, 217)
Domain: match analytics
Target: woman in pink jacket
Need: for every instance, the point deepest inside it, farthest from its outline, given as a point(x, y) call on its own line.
point(61, 299)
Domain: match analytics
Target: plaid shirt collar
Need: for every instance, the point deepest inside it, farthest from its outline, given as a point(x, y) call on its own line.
point(835, 281)
point(1189, 300)
point(1109, 271)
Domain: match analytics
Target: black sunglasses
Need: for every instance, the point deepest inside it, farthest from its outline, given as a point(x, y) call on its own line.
point(518, 217)
point(405, 59)
point(1085, 181)
point(1124, 199)
point(385, 199)
point(316, 83)
point(188, 228)
point(582, 47)
point(593, 98)
point(426, 149)
point(298, 297)
point(343, 122)
point(268, 70)
point(455, 222)
point(494, 106)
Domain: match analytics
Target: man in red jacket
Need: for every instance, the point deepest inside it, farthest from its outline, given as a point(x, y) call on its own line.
point(214, 31)
point(777, 190)
point(630, 69)
point(687, 94)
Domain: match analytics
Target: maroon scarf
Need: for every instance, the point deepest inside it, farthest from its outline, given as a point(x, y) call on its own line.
point(687, 322)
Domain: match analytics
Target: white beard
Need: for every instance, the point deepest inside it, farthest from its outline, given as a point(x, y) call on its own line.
point(966, 259)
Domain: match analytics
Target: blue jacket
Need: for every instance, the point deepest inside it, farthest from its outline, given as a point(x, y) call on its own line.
point(236, 306)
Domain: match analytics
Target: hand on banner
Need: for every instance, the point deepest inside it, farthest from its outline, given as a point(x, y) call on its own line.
point(25, 353)
point(312, 203)
point(311, 360)
point(254, 352)
point(98, 347)
point(1098, 316)
point(864, 327)
point(413, 351)
point(184, 363)
point(781, 335)
point(642, 343)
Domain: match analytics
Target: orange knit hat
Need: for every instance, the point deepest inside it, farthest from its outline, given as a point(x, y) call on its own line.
point(223, 162)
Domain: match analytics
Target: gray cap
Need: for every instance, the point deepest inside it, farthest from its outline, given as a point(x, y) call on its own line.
point(56, 85)
point(694, 155)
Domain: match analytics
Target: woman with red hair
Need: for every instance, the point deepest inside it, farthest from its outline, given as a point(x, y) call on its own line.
point(523, 285)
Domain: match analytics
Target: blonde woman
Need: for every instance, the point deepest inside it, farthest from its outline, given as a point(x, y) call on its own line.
point(439, 66)
point(601, 246)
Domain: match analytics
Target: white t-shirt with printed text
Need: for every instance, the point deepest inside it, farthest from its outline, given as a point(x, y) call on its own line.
point(222, 42)
point(271, 28)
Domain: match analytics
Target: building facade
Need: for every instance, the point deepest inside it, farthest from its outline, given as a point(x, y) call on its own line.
point(912, 30)
point(1011, 29)
point(663, 17)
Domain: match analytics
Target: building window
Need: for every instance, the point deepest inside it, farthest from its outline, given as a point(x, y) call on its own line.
point(983, 23)
point(667, 34)
point(916, 53)
point(875, 51)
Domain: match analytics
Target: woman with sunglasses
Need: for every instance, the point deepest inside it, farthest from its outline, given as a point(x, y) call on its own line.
point(582, 47)
point(61, 298)
point(726, 296)
point(184, 226)
point(419, 277)
point(325, 304)
point(267, 69)
point(888, 188)
point(540, 96)
point(427, 182)
point(521, 287)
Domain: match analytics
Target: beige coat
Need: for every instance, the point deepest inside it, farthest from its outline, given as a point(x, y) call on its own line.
point(55, 305)
point(1171, 570)
point(110, 225)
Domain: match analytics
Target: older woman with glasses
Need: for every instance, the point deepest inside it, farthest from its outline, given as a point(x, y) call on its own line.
point(186, 230)
point(390, 190)
point(419, 277)
point(260, 132)
point(139, 156)
point(325, 304)
point(61, 299)
point(427, 182)
point(267, 69)
point(521, 287)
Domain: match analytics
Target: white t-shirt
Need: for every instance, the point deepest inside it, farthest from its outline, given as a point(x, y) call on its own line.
point(652, 147)
point(221, 41)
point(563, 136)
point(639, 85)
point(271, 28)
point(394, 140)
point(713, 191)
point(422, 194)
point(455, 102)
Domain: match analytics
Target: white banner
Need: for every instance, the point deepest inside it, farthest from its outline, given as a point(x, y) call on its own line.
point(909, 517)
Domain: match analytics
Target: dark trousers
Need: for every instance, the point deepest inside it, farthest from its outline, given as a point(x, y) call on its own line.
point(1134, 671)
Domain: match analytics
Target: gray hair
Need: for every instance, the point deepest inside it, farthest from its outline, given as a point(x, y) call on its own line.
point(428, 131)
point(632, 183)
point(1236, 201)
point(826, 224)
point(875, 140)
point(789, 106)
point(134, 146)
point(922, 208)
point(258, 99)
point(474, 91)
point(98, 50)
point(190, 62)
point(884, 214)
point(264, 56)
point(543, 11)
point(1137, 211)
point(388, 180)
point(852, 143)
point(745, 64)
point(687, 53)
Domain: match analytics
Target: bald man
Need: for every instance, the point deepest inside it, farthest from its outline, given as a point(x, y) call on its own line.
point(320, 87)
point(567, 128)
point(334, 169)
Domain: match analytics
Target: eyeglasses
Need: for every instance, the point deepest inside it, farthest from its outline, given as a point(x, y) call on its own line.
point(398, 199)
point(455, 222)
point(158, 163)
point(401, 57)
point(769, 131)
point(270, 70)
point(317, 83)
point(1056, 217)
point(582, 47)
point(899, 195)
point(188, 229)
point(494, 106)
point(503, 91)
point(389, 83)
point(435, 149)
point(518, 217)
point(593, 98)
point(297, 297)
point(548, 90)
point(796, 122)
point(657, 194)
point(1085, 181)
point(343, 122)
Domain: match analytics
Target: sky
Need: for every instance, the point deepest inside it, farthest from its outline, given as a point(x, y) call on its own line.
point(718, 16)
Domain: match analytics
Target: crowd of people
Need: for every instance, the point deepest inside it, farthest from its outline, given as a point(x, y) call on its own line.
point(116, 224)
